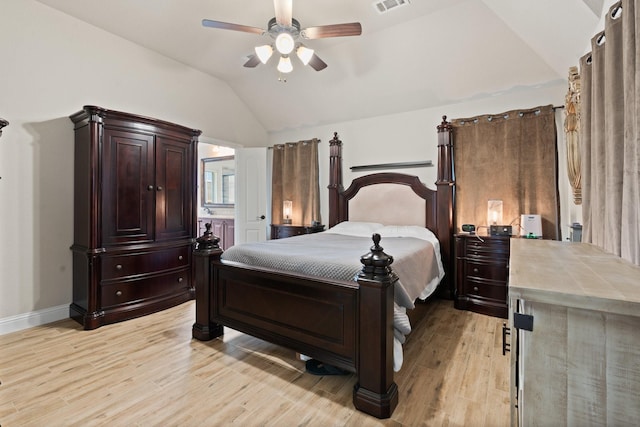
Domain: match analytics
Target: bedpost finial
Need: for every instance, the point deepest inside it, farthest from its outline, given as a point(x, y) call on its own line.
point(376, 264)
point(208, 240)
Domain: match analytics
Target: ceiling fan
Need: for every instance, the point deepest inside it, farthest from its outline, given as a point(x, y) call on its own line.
point(285, 32)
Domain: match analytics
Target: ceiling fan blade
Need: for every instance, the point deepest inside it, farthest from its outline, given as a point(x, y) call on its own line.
point(335, 30)
point(284, 12)
point(252, 62)
point(316, 63)
point(235, 27)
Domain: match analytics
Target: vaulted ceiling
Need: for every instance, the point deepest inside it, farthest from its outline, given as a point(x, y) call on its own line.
point(425, 54)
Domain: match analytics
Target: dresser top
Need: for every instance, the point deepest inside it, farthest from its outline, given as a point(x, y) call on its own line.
point(578, 275)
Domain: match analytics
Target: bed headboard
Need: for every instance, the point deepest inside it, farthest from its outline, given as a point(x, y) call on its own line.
point(399, 199)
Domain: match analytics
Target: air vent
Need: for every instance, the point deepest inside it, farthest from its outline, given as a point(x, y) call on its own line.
point(385, 6)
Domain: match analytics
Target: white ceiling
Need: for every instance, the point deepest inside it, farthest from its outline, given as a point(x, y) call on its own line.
point(426, 54)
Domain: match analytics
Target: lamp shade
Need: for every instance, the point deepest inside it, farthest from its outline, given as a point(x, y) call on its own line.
point(264, 52)
point(494, 212)
point(285, 43)
point(287, 210)
point(305, 54)
point(285, 65)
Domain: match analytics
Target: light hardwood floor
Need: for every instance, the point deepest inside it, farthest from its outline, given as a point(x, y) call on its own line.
point(150, 372)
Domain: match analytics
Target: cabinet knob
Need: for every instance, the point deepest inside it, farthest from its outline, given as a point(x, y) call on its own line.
point(118, 293)
point(180, 279)
point(159, 188)
point(475, 288)
point(180, 257)
point(150, 188)
point(475, 270)
point(119, 267)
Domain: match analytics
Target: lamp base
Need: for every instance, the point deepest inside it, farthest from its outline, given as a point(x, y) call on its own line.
point(286, 221)
point(500, 230)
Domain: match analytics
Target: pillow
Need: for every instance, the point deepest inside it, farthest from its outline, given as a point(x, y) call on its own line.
point(355, 228)
point(407, 231)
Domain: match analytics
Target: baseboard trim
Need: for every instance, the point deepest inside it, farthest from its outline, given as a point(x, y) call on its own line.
point(33, 318)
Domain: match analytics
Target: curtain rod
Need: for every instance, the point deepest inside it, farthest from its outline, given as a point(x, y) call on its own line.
point(271, 146)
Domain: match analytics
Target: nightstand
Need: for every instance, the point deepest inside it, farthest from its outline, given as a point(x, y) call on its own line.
point(280, 231)
point(482, 273)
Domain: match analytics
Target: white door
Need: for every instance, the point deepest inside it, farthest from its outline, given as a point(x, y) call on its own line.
point(251, 195)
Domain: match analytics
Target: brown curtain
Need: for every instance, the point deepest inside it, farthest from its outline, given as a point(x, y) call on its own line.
point(511, 157)
point(295, 178)
point(610, 134)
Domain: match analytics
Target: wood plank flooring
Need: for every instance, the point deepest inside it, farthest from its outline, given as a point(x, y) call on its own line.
point(150, 372)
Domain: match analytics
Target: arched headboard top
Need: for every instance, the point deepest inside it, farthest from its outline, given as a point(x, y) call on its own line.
point(389, 198)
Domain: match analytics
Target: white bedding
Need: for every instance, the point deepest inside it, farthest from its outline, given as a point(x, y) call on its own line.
point(336, 253)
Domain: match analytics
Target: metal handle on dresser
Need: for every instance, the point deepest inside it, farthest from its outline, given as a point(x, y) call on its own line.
point(150, 188)
point(180, 257)
point(159, 188)
point(506, 346)
point(118, 293)
point(475, 270)
point(180, 279)
point(475, 288)
point(119, 267)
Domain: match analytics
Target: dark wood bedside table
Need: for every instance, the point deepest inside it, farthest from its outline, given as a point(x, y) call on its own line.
point(280, 231)
point(482, 273)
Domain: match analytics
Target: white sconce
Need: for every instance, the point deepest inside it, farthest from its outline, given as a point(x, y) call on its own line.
point(287, 210)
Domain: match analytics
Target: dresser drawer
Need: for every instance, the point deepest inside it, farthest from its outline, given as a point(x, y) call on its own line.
point(124, 265)
point(133, 291)
point(486, 289)
point(498, 271)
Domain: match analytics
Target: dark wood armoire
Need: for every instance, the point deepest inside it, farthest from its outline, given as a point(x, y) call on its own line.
point(134, 215)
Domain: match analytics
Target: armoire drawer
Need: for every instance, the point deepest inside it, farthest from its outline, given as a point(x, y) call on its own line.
point(124, 265)
point(130, 291)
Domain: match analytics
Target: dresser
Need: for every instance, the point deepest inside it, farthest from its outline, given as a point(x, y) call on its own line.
point(280, 231)
point(481, 274)
point(574, 314)
point(134, 215)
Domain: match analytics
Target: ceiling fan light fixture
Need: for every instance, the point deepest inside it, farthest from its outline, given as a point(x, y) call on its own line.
point(285, 43)
point(285, 65)
point(305, 54)
point(264, 52)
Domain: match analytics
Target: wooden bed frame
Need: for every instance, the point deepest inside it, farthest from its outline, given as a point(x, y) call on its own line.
point(348, 324)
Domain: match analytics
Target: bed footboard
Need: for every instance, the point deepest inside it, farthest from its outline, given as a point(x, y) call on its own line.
point(346, 324)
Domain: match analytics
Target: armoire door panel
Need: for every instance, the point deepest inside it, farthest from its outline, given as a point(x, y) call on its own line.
point(173, 195)
point(128, 195)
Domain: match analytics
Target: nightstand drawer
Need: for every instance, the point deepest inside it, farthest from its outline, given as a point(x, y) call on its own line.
point(488, 270)
point(486, 289)
point(494, 248)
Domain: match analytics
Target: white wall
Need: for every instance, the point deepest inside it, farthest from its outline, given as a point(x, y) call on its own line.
point(412, 136)
point(50, 66)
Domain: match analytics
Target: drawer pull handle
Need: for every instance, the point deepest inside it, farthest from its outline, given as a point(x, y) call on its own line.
point(118, 293)
point(475, 270)
point(119, 267)
point(506, 346)
point(180, 279)
point(180, 257)
point(150, 188)
point(159, 188)
point(475, 288)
